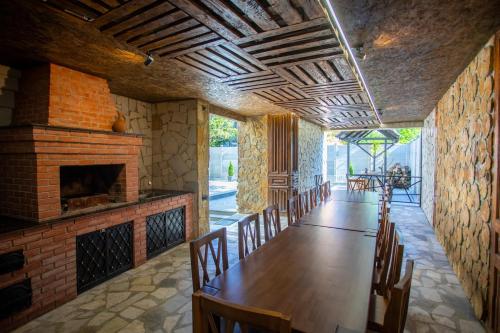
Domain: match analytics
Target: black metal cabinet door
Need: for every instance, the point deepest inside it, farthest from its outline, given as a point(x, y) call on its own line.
point(90, 259)
point(120, 248)
point(175, 225)
point(103, 254)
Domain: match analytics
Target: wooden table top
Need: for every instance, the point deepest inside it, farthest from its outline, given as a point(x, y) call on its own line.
point(355, 196)
point(355, 216)
point(320, 276)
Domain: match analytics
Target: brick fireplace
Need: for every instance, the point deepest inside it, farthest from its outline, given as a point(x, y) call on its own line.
point(63, 121)
point(66, 178)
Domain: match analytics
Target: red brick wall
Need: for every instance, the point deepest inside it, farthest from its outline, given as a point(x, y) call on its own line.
point(50, 252)
point(59, 96)
point(30, 158)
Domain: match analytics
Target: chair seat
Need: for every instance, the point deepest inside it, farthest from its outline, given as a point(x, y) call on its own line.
point(376, 312)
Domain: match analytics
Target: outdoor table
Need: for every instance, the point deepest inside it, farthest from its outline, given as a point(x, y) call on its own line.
point(320, 276)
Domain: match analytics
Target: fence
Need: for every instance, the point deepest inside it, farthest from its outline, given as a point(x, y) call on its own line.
point(219, 162)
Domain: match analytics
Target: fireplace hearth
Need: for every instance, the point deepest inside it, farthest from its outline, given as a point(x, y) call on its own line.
point(91, 185)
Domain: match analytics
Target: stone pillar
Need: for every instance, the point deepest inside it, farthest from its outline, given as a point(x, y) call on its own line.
point(252, 165)
point(180, 153)
point(310, 153)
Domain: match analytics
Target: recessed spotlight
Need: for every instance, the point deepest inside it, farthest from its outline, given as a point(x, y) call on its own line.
point(149, 59)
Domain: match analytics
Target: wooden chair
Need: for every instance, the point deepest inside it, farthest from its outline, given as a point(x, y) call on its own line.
point(292, 210)
point(357, 184)
point(388, 314)
point(212, 315)
point(321, 193)
point(313, 196)
point(318, 179)
point(245, 229)
point(272, 224)
point(303, 204)
point(383, 259)
point(199, 249)
point(326, 189)
point(388, 275)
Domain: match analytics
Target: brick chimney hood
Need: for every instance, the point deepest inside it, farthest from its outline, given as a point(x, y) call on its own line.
point(62, 118)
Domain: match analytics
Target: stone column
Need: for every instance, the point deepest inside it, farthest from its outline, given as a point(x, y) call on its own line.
point(252, 165)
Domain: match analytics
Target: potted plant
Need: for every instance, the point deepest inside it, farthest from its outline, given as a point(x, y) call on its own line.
point(230, 171)
point(351, 170)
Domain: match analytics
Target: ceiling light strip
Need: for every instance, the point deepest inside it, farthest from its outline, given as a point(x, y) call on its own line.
point(347, 50)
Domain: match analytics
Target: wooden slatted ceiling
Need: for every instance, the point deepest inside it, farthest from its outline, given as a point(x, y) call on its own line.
point(283, 51)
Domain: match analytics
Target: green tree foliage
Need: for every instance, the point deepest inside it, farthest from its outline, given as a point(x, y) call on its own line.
point(407, 135)
point(222, 132)
point(351, 169)
point(230, 169)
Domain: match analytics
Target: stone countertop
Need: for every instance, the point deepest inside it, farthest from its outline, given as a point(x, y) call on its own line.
point(12, 224)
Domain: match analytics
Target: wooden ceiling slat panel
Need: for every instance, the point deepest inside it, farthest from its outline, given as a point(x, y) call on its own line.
point(201, 67)
point(120, 12)
point(295, 39)
point(244, 55)
point(222, 52)
point(247, 84)
point(212, 63)
point(343, 68)
point(267, 96)
point(329, 70)
point(224, 11)
point(323, 44)
point(177, 38)
point(193, 48)
point(234, 66)
point(315, 73)
point(282, 31)
point(186, 46)
point(262, 87)
point(306, 58)
point(251, 76)
point(139, 19)
point(256, 13)
point(305, 78)
point(157, 29)
point(197, 12)
point(95, 5)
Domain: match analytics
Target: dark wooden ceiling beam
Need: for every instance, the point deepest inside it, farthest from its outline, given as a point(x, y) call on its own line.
point(197, 12)
point(256, 13)
point(121, 11)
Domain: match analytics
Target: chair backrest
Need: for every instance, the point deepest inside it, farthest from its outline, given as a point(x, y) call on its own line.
point(248, 235)
point(386, 261)
point(395, 316)
point(272, 224)
point(203, 251)
point(321, 193)
point(326, 189)
point(318, 179)
point(313, 196)
point(396, 263)
point(303, 203)
point(292, 210)
point(208, 312)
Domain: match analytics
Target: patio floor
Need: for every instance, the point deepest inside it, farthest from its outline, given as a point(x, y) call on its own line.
point(156, 297)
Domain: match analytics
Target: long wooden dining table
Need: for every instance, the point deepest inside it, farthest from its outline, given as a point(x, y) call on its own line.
point(319, 273)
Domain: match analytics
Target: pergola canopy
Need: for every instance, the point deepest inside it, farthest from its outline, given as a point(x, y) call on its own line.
point(359, 137)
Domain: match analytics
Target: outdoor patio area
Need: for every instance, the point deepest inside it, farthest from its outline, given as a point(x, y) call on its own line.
point(156, 297)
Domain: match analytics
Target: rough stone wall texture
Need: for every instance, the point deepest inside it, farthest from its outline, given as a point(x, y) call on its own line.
point(252, 161)
point(428, 165)
point(9, 84)
point(310, 153)
point(176, 127)
point(203, 162)
point(464, 175)
point(139, 120)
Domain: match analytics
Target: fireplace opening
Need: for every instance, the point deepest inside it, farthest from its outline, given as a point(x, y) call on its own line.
point(91, 185)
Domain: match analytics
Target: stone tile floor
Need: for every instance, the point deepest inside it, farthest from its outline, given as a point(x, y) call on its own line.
point(155, 297)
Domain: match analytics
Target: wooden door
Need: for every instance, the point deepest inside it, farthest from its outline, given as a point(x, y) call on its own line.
point(494, 287)
point(283, 158)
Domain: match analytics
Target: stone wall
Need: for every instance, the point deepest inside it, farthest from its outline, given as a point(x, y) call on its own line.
point(180, 152)
point(252, 171)
point(310, 153)
point(464, 175)
point(139, 120)
point(428, 165)
point(9, 84)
